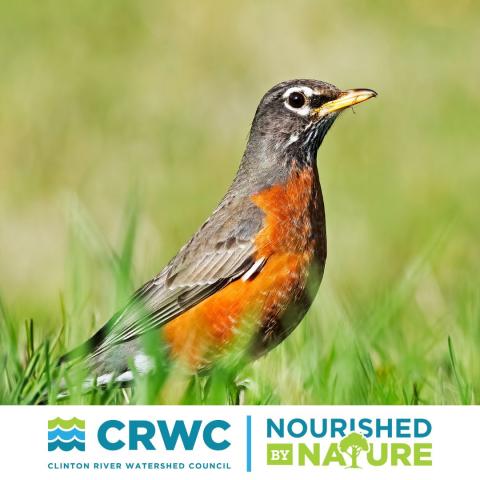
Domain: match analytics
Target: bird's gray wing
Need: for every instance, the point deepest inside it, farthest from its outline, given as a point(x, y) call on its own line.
point(220, 252)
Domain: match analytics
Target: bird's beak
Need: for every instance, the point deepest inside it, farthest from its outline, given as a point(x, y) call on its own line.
point(347, 98)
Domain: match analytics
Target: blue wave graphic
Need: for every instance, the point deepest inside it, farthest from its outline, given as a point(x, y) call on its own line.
point(66, 435)
point(66, 446)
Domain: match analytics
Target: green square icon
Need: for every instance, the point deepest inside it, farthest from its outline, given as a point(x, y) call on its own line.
point(279, 454)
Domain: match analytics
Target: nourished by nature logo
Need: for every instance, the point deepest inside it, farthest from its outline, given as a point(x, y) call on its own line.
point(334, 442)
point(66, 434)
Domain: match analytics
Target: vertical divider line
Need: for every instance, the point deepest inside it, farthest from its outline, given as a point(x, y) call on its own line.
point(249, 443)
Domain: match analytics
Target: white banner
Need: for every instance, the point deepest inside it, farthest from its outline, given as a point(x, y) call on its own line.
point(271, 442)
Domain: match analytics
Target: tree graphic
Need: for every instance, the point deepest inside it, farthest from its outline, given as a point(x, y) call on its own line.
point(352, 445)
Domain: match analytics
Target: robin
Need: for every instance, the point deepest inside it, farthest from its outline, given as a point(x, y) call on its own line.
point(247, 277)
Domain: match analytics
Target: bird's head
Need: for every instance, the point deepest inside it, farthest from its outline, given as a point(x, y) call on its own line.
point(297, 114)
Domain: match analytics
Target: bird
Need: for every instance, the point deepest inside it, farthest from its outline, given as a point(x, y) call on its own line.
point(246, 278)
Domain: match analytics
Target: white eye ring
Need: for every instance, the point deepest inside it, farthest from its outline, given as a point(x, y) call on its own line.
point(307, 92)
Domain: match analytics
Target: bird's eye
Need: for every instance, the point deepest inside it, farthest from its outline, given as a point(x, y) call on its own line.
point(296, 100)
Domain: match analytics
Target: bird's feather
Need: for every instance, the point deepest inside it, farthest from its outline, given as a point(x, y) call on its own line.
point(200, 269)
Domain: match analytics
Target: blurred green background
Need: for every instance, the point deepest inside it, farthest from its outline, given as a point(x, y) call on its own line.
point(105, 102)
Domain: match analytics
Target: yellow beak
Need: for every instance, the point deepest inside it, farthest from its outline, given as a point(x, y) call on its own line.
point(347, 98)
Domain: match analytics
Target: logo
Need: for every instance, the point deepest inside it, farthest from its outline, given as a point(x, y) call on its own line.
point(144, 434)
point(334, 442)
point(352, 446)
point(66, 434)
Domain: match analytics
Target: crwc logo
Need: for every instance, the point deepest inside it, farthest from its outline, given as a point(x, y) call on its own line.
point(66, 434)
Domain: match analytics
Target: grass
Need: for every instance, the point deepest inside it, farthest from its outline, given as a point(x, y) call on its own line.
point(142, 107)
point(370, 358)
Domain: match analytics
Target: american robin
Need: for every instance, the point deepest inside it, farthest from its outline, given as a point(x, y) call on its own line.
point(249, 274)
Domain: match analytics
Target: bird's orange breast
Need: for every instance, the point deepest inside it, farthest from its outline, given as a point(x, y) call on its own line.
point(235, 313)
